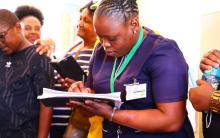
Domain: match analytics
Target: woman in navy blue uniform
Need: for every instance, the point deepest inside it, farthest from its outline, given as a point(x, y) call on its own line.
point(149, 71)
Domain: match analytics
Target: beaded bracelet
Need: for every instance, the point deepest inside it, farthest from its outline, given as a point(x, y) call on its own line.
point(215, 102)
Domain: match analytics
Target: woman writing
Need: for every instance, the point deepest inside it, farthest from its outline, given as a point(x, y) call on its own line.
point(80, 126)
point(149, 71)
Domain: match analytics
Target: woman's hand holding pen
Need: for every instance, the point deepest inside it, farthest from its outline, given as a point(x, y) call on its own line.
point(89, 107)
point(65, 82)
point(79, 87)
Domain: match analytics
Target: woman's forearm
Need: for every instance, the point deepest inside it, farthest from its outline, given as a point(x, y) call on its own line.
point(169, 117)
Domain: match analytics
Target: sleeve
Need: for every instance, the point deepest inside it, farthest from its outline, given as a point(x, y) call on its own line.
point(89, 81)
point(43, 74)
point(169, 73)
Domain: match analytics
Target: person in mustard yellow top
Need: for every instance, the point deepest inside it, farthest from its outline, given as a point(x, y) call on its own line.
point(80, 126)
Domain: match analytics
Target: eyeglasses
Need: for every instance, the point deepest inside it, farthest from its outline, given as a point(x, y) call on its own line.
point(3, 34)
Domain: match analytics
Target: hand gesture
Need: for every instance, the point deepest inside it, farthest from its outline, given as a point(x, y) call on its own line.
point(89, 107)
point(45, 46)
point(200, 96)
point(65, 82)
point(209, 60)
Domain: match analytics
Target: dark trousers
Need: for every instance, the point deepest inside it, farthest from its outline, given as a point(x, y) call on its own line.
point(57, 131)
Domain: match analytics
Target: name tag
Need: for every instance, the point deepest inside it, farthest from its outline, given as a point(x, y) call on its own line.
point(136, 91)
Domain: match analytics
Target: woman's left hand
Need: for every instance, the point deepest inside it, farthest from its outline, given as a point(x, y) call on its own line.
point(90, 108)
point(45, 46)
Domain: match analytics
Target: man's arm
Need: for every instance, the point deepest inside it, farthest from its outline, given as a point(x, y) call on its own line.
point(45, 118)
point(43, 78)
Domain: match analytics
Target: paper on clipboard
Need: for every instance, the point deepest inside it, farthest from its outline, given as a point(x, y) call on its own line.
point(55, 98)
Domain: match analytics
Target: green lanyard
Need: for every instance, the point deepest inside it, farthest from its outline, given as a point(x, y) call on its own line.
point(125, 62)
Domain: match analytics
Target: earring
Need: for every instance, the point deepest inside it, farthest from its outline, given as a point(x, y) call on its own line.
point(134, 31)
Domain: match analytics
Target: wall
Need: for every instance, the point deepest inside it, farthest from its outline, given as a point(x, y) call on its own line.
point(210, 34)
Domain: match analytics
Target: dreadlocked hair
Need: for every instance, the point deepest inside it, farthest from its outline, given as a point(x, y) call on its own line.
point(121, 9)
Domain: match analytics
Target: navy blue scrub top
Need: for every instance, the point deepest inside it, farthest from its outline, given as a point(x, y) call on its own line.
point(165, 72)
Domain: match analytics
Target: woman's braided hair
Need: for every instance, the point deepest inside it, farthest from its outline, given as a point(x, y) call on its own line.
point(121, 9)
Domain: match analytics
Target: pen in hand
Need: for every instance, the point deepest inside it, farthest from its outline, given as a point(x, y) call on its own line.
point(83, 79)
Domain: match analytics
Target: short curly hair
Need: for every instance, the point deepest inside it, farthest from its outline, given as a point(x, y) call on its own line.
point(26, 10)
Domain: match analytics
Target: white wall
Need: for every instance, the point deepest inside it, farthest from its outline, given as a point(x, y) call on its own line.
point(210, 31)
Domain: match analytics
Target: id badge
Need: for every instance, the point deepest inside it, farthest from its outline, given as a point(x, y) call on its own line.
point(136, 91)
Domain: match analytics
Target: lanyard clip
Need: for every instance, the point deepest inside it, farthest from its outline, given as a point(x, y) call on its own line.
point(135, 80)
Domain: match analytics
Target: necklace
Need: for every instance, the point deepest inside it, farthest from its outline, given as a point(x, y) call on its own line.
point(122, 59)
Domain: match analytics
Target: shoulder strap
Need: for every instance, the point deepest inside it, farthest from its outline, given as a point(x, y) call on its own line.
point(74, 46)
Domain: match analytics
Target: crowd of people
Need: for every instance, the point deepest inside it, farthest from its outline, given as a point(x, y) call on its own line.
point(119, 55)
